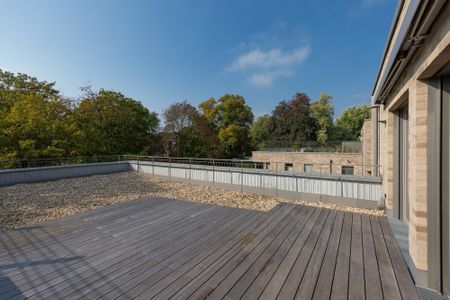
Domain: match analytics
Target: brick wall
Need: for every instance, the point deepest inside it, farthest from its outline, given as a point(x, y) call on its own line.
point(319, 160)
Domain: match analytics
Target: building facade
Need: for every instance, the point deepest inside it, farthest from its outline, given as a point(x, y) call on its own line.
point(314, 162)
point(357, 164)
point(410, 133)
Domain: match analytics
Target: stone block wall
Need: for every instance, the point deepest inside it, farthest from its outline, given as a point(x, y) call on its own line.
point(320, 162)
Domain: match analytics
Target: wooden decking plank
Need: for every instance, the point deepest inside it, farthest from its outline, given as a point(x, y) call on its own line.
point(99, 253)
point(198, 275)
point(98, 247)
point(248, 222)
point(387, 275)
point(269, 244)
point(371, 273)
point(153, 247)
point(150, 286)
point(267, 258)
point(178, 250)
point(144, 275)
point(60, 247)
point(79, 264)
point(290, 286)
point(284, 279)
point(99, 257)
point(326, 274)
point(80, 234)
point(339, 289)
point(308, 282)
point(250, 242)
point(104, 261)
point(212, 262)
point(356, 288)
point(247, 225)
point(404, 278)
point(101, 285)
point(62, 228)
point(266, 273)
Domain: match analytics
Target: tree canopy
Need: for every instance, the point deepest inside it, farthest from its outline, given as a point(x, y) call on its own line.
point(292, 120)
point(32, 118)
point(322, 111)
point(188, 134)
point(37, 121)
point(108, 123)
point(351, 121)
point(231, 118)
point(260, 131)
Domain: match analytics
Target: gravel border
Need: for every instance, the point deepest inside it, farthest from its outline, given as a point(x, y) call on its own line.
point(31, 203)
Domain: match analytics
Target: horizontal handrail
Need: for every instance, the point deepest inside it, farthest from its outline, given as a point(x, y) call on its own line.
point(362, 170)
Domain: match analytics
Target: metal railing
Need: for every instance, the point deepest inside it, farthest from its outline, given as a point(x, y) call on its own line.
point(311, 146)
point(51, 162)
point(323, 182)
point(257, 177)
point(311, 168)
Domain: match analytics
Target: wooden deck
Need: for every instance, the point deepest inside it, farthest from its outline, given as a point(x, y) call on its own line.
point(160, 248)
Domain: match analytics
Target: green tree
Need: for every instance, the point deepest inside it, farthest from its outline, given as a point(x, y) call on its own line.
point(234, 140)
point(200, 140)
point(322, 110)
point(33, 118)
point(291, 120)
point(231, 118)
point(231, 109)
point(208, 109)
point(260, 131)
point(178, 117)
point(107, 123)
point(187, 133)
point(350, 122)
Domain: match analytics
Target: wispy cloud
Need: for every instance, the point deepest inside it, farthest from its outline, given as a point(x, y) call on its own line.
point(265, 66)
point(261, 79)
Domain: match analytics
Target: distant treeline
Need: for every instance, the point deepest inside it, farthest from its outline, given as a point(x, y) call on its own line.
point(37, 121)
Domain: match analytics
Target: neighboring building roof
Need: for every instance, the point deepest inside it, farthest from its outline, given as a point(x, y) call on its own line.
point(412, 22)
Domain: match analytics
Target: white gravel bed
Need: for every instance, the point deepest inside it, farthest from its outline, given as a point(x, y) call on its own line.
point(25, 204)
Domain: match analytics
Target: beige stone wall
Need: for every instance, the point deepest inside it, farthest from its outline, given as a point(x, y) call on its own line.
point(410, 87)
point(320, 161)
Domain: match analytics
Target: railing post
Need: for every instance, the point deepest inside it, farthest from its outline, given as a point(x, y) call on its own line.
point(170, 168)
point(231, 172)
point(260, 179)
point(242, 177)
point(213, 180)
point(153, 165)
point(190, 169)
point(276, 179)
point(138, 164)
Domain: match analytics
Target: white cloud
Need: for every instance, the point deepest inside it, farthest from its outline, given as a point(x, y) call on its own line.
point(265, 67)
point(262, 79)
point(274, 58)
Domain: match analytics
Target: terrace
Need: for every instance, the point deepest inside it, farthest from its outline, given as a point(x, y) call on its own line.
point(147, 246)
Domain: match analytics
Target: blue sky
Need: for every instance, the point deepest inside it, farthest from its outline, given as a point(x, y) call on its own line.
point(160, 52)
